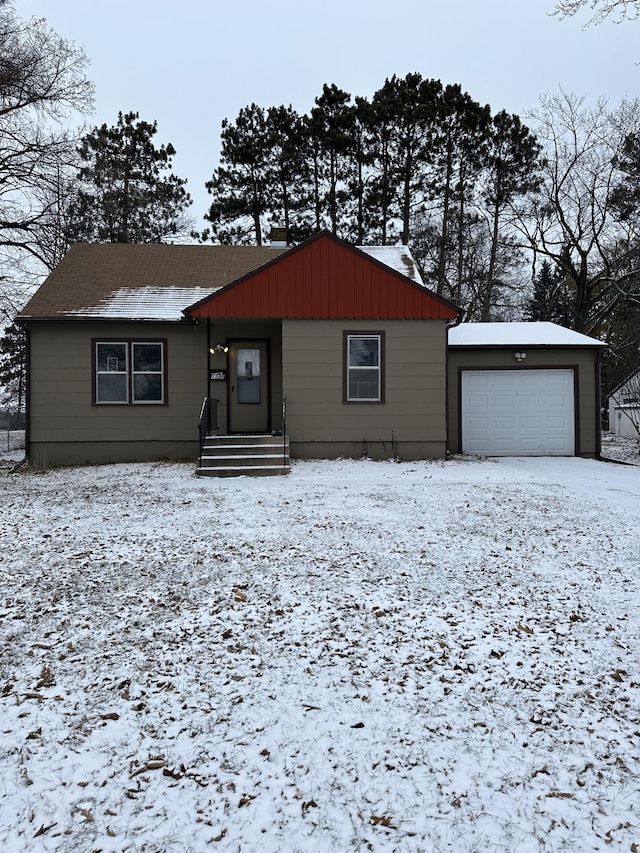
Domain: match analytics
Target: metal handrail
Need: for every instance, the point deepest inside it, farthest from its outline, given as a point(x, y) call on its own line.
point(208, 421)
point(284, 431)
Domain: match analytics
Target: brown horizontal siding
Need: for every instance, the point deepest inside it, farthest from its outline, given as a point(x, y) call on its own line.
point(61, 408)
point(414, 407)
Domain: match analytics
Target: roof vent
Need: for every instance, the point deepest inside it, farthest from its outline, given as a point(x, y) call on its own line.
point(278, 238)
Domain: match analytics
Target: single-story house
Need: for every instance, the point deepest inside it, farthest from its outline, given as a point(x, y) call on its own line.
point(322, 350)
point(624, 407)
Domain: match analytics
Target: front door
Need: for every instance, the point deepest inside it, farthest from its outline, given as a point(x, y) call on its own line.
point(249, 386)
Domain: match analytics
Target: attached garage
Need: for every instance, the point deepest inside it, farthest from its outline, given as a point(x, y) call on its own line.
point(518, 412)
point(523, 389)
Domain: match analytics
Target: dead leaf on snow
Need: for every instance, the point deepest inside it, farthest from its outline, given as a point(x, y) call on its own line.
point(382, 820)
point(219, 837)
point(154, 764)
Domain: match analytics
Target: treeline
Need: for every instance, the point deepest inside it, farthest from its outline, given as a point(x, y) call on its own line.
point(510, 219)
point(419, 163)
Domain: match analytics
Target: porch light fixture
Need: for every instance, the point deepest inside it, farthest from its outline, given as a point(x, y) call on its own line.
point(520, 356)
point(218, 348)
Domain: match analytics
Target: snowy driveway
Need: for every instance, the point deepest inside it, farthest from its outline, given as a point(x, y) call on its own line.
point(617, 485)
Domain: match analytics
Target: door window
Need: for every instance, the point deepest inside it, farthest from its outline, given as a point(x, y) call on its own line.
point(248, 367)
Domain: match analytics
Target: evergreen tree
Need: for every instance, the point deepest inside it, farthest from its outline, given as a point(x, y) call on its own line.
point(625, 197)
point(406, 110)
point(288, 172)
point(241, 186)
point(125, 194)
point(550, 300)
point(331, 130)
point(510, 163)
point(13, 365)
point(460, 139)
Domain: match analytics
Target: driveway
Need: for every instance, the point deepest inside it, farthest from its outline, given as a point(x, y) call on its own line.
point(614, 484)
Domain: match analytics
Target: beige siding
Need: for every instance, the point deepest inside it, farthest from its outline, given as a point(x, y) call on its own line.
point(584, 361)
point(412, 418)
point(65, 427)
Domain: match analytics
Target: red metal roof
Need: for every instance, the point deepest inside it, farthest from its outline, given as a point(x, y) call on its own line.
point(325, 279)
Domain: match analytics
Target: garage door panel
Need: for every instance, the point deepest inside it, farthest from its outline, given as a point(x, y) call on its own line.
point(519, 412)
point(504, 401)
point(479, 402)
point(503, 423)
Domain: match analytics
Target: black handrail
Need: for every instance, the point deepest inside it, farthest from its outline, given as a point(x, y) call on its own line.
point(208, 421)
point(284, 431)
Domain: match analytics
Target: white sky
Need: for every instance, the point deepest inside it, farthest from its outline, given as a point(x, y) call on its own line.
point(192, 64)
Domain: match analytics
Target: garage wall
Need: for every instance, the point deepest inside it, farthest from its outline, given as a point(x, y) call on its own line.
point(584, 361)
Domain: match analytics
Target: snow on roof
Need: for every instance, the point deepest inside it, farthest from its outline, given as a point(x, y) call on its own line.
point(397, 257)
point(518, 334)
point(167, 303)
point(145, 303)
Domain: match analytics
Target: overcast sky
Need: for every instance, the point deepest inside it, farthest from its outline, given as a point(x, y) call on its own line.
point(191, 64)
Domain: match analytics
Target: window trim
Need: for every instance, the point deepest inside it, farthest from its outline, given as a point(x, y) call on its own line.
point(130, 373)
point(365, 333)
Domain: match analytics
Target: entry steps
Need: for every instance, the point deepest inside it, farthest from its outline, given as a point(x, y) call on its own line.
point(244, 456)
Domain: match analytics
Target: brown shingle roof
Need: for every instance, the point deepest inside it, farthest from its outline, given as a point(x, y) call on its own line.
point(92, 275)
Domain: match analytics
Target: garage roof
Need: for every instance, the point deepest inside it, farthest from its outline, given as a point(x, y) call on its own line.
point(542, 334)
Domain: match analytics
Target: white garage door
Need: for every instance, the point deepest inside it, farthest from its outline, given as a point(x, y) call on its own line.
point(518, 412)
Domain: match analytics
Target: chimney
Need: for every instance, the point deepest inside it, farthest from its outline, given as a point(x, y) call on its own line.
point(278, 238)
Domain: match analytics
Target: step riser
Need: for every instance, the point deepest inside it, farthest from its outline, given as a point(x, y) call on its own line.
point(240, 462)
point(242, 472)
point(252, 440)
point(244, 455)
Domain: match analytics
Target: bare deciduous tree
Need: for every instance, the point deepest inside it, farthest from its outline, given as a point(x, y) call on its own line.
point(42, 84)
point(621, 9)
point(572, 223)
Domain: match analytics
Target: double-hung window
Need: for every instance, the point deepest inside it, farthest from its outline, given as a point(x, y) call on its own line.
point(129, 372)
point(364, 361)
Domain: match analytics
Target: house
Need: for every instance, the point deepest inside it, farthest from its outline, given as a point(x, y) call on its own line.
point(624, 407)
point(126, 342)
point(323, 350)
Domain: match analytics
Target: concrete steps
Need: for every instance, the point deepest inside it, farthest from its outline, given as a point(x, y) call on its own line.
point(244, 456)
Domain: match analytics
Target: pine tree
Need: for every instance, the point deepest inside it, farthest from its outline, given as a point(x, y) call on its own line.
point(331, 129)
point(510, 161)
point(241, 186)
point(288, 173)
point(550, 300)
point(407, 109)
point(126, 195)
point(13, 364)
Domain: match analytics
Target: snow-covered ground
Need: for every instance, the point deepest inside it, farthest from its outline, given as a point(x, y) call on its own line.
point(621, 449)
point(433, 656)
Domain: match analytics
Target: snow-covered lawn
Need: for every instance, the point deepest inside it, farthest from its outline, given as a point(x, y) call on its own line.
point(360, 656)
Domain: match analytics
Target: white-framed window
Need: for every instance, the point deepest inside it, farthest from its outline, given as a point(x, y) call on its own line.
point(129, 372)
point(364, 362)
